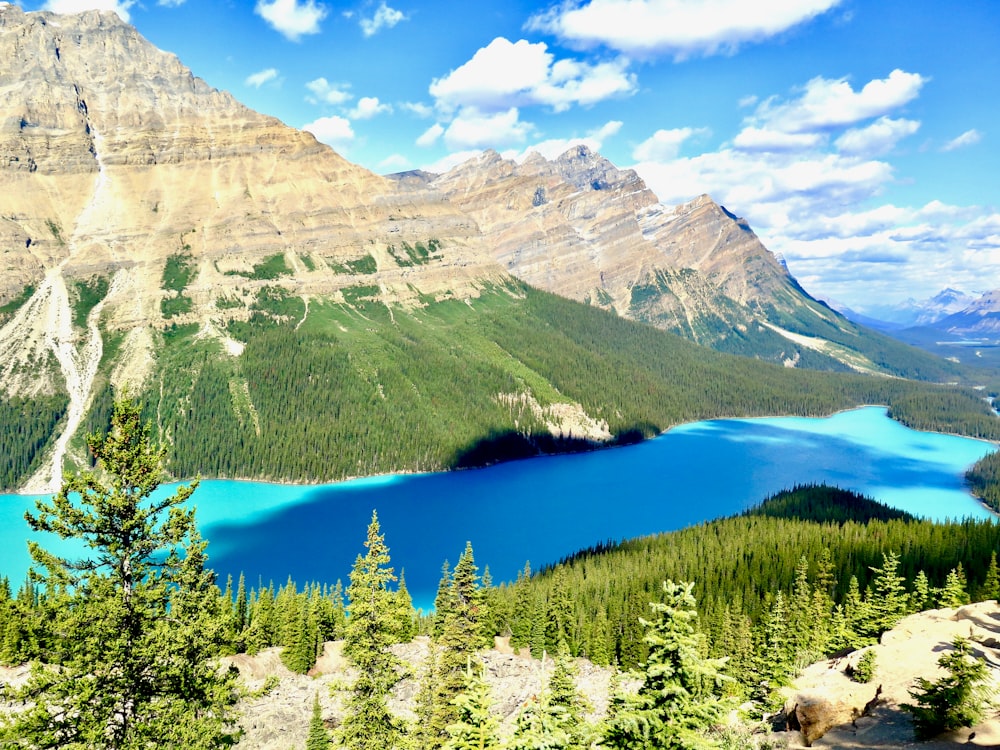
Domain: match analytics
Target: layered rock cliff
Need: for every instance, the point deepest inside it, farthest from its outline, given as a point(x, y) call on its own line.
point(582, 228)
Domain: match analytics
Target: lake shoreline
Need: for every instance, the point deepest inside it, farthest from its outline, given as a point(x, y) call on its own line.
point(595, 447)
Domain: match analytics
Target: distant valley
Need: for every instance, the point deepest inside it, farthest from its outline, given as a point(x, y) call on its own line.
point(960, 327)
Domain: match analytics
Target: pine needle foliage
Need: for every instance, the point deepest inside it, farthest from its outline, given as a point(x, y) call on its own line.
point(371, 630)
point(318, 738)
point(677, 701)
point(958, 699)
point(139, 615)
point(476, 727)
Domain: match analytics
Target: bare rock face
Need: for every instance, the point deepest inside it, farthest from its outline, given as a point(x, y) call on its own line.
point(581, 228)
point(278, 717)
point(113, 156)
point(832, 711)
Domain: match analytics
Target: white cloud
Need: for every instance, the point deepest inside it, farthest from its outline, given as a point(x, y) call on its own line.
point(507, 74)
point(121, 7)
point(170, 3)
point(828, 104)
point(384, 18)
point(968, 138)
point(395, 162)
point(430, 136)
point(555, 147)
point(325, 92)
point(333, 131)
point(258, 79)
point(419, 109)
point(878, 138)
point(681, 28)
point(664, 144)
point(368, 107)
point(292, 18)
point(475, 129)
point(765, 139)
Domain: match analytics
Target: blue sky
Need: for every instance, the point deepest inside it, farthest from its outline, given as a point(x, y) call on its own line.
point(858, 137)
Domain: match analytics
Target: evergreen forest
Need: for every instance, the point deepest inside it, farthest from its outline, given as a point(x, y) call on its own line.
point(700, 620)
point(467, 382)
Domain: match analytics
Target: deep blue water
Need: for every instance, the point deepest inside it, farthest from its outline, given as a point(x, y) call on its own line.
point(543, 509)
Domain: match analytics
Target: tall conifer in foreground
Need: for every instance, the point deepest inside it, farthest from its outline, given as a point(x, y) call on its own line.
point(675, 704)
point(371, 630)
point(142, 615)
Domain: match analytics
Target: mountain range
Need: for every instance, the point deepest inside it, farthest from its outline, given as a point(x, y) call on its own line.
point(152, 228)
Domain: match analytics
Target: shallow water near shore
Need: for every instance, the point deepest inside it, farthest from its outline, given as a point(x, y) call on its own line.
point(544, 509)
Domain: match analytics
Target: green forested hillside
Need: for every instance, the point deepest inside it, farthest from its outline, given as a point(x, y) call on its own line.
point(350, 388)
point(740, 565)
point(359, 388)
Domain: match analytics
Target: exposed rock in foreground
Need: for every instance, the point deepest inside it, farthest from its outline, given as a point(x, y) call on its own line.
point(836, 712)
point(280, 718)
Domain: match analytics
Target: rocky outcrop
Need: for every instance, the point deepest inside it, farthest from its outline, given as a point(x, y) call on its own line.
point(827, 709)
point(276, 715)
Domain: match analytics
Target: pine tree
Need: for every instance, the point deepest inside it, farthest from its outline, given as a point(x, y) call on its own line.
point(802, 623)
point(406, 624)
point(991, 585)
point(954, 593)
point(539, 727)
point(958, 699)
point(319, 738)
point(566, 702)
point(775, 663)
point(475, 727)
point(887, 599)
point(368, 724)
point(142, 609)
point(598, 648)
point(460, 639)
point(521, 621)
point(920, 597)
point(676, 702)
point(857, 617)
point(442, 600)
point(559, 613)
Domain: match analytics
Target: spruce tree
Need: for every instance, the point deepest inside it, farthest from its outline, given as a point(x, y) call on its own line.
point(460, 639)
point(920, 597)
point(954, 593)
point(991, 585)
point(370, 631)
point(319, 738)
point(442, 600)
point(539, 727)
point(566, 702)
point(521, 617)
point(406, 623)
point(677, 701)
point(958, 699)
point(142, 614)
point(887, 599)
point(475, 727)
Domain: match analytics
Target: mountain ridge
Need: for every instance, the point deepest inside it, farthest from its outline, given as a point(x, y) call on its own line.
point(154, 231)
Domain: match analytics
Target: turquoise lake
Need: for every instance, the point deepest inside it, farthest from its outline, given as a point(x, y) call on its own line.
point(546, 508)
